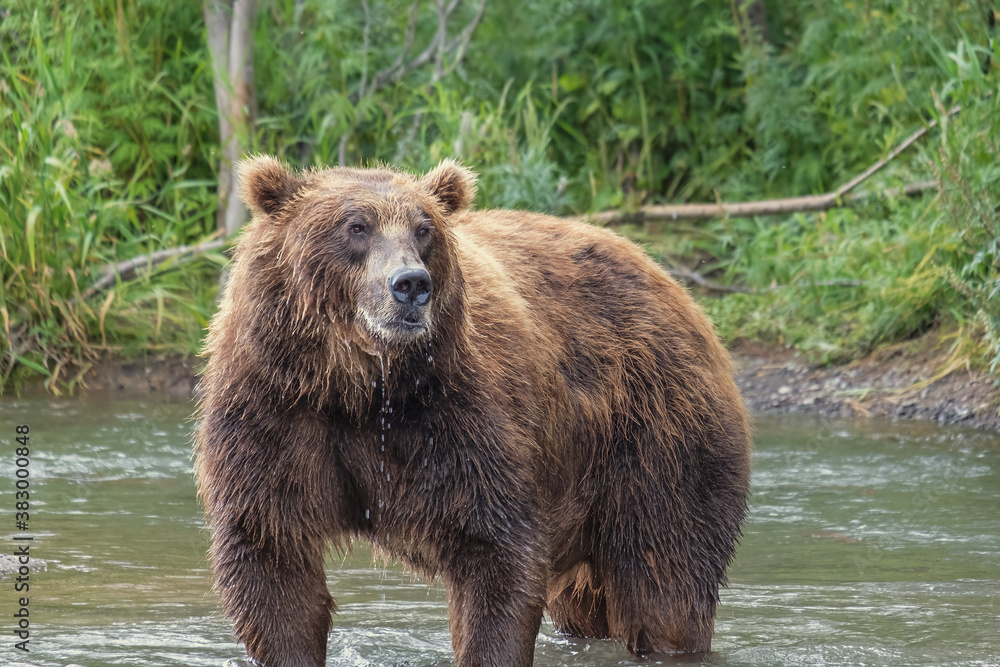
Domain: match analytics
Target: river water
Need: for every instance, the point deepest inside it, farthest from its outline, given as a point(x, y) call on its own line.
point(869, 543)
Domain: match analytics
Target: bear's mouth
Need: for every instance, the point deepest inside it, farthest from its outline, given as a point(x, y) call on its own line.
point(396, 328)
point(409, 322)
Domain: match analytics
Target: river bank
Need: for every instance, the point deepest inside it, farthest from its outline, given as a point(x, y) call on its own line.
point(892, 383)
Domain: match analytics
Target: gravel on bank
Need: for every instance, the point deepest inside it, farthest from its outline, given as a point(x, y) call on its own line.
point(775, 380)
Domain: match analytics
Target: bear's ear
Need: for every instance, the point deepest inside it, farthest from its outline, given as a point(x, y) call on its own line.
point(452, 184)
point(265, 184)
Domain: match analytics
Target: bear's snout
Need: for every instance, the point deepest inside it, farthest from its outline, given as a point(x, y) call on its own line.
point(411, 286)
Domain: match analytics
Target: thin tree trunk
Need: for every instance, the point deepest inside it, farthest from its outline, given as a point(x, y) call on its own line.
point(230, 41)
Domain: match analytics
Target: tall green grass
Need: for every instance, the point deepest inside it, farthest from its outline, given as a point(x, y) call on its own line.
point(104, 132)
point(966, 163)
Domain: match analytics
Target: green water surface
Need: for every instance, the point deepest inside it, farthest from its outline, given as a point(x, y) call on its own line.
point(868, 543)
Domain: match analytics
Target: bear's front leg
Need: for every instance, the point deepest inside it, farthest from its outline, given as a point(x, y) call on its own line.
point(277, 600)
point(268, 491)
point(496, 600)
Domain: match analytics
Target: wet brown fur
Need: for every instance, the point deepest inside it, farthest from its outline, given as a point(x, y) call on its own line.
point(566, 435)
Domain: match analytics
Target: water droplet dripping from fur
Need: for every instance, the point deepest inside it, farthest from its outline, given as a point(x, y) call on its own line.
point(382, 408)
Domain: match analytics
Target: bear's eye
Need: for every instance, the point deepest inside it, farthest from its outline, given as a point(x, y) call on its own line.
point(358, 228)
point(423, 231)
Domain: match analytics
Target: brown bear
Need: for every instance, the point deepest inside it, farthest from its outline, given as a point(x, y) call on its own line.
point(526, 406)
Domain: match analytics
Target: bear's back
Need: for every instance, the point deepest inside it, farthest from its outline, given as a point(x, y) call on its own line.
point(574, 279)
point(610, 328)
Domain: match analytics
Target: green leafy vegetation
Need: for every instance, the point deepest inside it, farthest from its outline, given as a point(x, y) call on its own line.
point(105, 130)
point(109, 145)
point(926, 265)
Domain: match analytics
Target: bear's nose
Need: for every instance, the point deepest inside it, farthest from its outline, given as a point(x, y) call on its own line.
point(412, 286)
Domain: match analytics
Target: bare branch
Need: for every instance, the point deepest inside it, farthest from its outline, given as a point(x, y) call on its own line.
point(421, 60)
point(691, 276)
point(860, 178)
point(392, 75)
point(466, 33)
point(462, 41)
point(835, 199)
point(128, 268)
point(401, 68)
point(437, 51)
point(384, 75)
point(749, 209)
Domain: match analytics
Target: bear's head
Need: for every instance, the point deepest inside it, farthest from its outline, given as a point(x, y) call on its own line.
point(369, 252)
